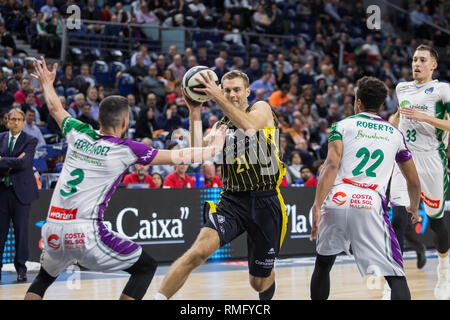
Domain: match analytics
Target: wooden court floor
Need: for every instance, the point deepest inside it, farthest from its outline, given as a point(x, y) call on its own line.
point(206, 284)
point(292, 284)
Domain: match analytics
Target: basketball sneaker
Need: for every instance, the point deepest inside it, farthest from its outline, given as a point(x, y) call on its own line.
point(442, 289)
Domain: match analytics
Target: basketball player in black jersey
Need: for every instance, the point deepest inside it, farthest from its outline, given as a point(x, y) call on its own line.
point(251, 174)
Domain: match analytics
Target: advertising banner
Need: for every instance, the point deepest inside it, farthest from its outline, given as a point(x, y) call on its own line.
point(165, 222)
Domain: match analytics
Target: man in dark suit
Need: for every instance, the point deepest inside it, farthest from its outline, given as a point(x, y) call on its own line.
point(18, 187)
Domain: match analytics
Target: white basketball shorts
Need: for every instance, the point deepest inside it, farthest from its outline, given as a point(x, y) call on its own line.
point(356, 216)
point(432, 170)
point(88, 243)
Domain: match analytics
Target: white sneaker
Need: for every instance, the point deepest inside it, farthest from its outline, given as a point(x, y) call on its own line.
point(386, 292)
point(442, 289)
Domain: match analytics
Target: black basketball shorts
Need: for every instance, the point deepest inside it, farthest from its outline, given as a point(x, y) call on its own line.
point(262, 214)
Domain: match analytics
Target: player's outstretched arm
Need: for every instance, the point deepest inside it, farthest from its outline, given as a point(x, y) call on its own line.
point(408, 169)
point(46, 79)
point(326, 181)
point(195, 121)
point(193, 155)
point(420, 116)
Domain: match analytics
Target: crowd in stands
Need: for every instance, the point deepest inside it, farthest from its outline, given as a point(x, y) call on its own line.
point(306, 84)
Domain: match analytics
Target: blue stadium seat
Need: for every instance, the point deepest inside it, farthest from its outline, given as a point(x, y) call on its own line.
point(126, 84)
point(100, 71)
point(115, 67)
point(51, 151)
point(40, 164)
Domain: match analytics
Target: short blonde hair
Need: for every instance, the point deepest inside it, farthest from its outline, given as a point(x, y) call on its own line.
point(236, 74)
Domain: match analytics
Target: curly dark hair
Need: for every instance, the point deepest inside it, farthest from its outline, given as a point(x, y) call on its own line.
point(372, 92)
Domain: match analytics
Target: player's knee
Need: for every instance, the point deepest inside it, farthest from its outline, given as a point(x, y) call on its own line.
point(259, 284)
point(196, 256)
point(41, 283)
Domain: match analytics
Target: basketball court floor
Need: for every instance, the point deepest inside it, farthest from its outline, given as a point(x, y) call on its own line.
point(229, 281)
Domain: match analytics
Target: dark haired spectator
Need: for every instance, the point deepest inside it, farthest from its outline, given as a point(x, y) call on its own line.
point(30, 103)
point(21, 95)
point(177, 67)
point(146, 123)
point(281, 77)
point(202, 57)
point(85, 77)
point(158, 179)
point(169, 120)
point(134, 109)
point(67, 80)
point(6, 98)
point(31, 128)
point(86, 116)
point(179, 178)
point(263, 83)
point(295, 165)
point(105, 13)
point(279, 97)
point(253, 71)
point(152, 84)
point(3, 121)
point(139, 176)
point(7, 40)
point(319, 109)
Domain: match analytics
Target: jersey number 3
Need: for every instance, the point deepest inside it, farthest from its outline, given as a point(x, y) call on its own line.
point(363, 152)
point(79, 174)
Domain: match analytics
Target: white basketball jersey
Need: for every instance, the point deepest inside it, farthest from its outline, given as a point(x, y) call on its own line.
point(431, 98)
point(371, 146)
point(93, 168)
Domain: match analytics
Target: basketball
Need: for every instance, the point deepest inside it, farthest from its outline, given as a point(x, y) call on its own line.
point(189, 83)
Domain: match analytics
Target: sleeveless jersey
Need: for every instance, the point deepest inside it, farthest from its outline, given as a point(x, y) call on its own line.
point(371, 146)
point(94, 167)
point(431, 98)
point(251, 163)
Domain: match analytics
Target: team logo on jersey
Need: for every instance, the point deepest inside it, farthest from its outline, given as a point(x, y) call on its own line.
point(404, 103)
point(429, 90)
point(339, 198)
point(53, 242)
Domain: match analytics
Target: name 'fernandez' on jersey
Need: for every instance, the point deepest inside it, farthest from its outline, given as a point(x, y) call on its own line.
point(251, 163)
point(371, 148)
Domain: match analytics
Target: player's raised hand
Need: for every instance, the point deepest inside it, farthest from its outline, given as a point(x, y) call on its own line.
point(191, 104)
point(317, 215)
point(211, 89)
point(43, 75)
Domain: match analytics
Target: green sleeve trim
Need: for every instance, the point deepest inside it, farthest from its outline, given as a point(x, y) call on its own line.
point(334, 134)
point(70, 123)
